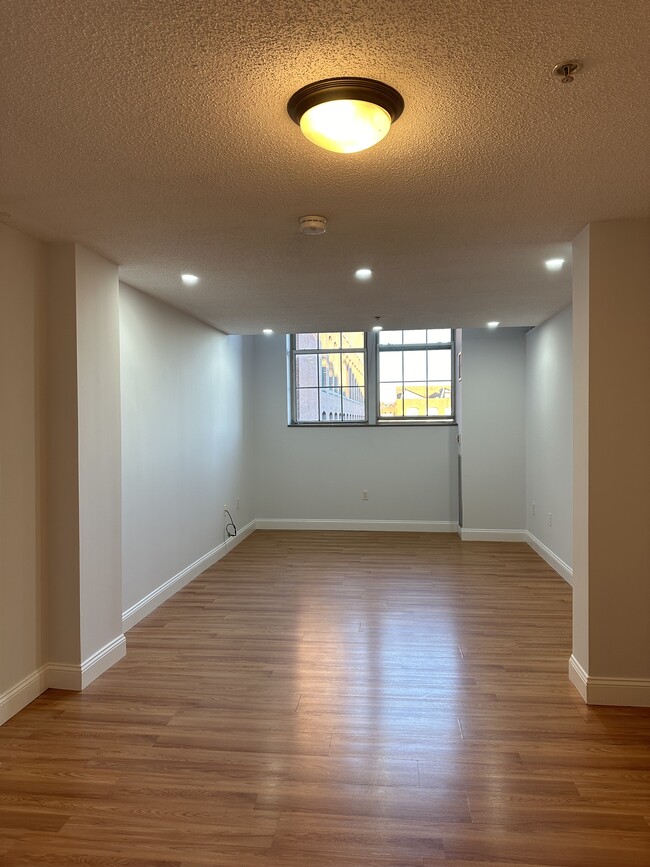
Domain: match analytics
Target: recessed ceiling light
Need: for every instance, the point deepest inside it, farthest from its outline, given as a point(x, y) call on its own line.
point(363, 273)
point(554, 264)
point(189, 279)
point(377, 327)
point(267, 331)
point(493, 324)
point(345, 115)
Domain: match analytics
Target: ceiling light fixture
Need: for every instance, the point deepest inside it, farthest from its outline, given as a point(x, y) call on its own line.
point(345, 115)
point(493, 324)
point(267, 331)
point(554, 264)
point(363, 273)
point(377, 327)
point(189, 279)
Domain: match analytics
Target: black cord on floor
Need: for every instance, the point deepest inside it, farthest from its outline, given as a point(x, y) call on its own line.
point(231, 530)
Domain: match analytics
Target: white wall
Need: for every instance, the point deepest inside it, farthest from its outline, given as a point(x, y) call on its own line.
point(549, 436)
point(98, 389)
point(307, 475)
point(183, 453)
point(493, 432)
point(83, 503)
point(22, 638)
point(62, 458)
point(611, 599)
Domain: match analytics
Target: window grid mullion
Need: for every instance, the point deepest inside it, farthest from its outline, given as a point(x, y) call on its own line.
point(372, 368)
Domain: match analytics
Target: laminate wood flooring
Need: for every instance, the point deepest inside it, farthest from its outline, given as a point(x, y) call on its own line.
point(336, 700)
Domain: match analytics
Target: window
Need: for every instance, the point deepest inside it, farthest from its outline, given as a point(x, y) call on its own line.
point(408, 375)
point(415, 374)
point(329, 377)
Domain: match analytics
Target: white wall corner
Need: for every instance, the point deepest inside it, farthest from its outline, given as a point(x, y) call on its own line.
point(102, 660)
point(356, 524)
point(23, 693)
point(152, 600)
point(616, 691)
point(578, 676)
point(469, 534)
point(563, 569)
point(62, 676)
point(78, 677)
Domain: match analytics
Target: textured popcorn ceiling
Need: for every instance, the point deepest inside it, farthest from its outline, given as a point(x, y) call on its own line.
point(155, 132)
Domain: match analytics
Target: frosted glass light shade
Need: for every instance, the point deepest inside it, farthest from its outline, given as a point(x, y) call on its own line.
point(345, 126)
point(345, 115)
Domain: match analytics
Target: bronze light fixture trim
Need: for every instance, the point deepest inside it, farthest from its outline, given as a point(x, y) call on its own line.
point(347, 114)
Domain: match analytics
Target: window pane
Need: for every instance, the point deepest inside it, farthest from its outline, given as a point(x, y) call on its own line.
point(439, 398)
point(353, 340)
point(419, 336)
point(330, 364)
point(329, 340)
point(330, 385)
point(390, 400)
point(352, 371)
point(415, 364)
point(390, 366)
point(415, 399)
point(306, 371)
point(308, 340)
point(354, 408)
point(439, 335)
point(390, 338)
point(439, 364)
point(307, 404)
point(330, 404)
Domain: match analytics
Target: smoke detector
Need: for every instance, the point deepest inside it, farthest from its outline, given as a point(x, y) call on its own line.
point(312, 225)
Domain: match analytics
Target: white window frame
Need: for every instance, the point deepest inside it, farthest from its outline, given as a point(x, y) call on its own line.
point(371, 360)
point(294, 353)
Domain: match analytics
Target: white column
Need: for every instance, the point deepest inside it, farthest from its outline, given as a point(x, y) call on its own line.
point(611, 339)
point(83, 467)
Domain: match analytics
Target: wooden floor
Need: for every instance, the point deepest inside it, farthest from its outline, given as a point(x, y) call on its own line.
point(336, 700)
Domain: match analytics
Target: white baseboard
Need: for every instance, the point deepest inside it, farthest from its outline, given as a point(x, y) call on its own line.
point(102, 660)
point(57, 675)
point(618, 691)
point(78, 677)
point(22, 694)
point(63, 676)
point(356, 524)
point(152, 600)
point(60, 676)
point(467, 534)
point(552, 559)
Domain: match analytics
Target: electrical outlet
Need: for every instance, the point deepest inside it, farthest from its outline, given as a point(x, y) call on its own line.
point(534, 507)
point(237, 503)
point(364, 495)
point(550, 519)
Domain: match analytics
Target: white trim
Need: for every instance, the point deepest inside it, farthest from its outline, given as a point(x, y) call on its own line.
point(468, 534)
point(78, 677)
point(617, 691)
point(63, 676)
point(552, 559)
point(60, 676)
point(23, 693)
point(578, 676)
point(152, 600)
point(356, 524)
point(102, 660)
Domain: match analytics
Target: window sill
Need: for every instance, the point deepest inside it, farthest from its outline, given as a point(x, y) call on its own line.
point(385, 423)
